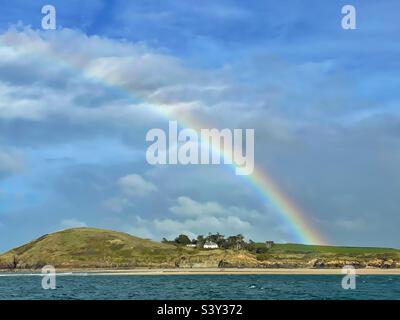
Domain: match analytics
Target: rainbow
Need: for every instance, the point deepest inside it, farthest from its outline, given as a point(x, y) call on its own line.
point(291, 215)
point(301, 228)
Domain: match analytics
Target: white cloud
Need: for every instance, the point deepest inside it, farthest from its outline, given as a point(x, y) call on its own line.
point(35, 66)
point(194, 218)
point(202, 225)
point(135, 185)
point(130, 186)
point(187, 207)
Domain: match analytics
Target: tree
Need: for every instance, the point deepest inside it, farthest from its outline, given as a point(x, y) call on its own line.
point(183, 239)
point(200, 241)
point(251, 246)
point(230, 242)
point(236, 242)
point(217, 238)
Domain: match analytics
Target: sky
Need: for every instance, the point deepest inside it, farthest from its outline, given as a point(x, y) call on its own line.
point(76, 104)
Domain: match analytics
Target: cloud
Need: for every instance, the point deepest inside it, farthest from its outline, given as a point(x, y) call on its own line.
point(110, 88)
point(116, 89)
point(130, 188)
point(202, 225)
point(194, 218)
point(134, 185)
point(202, 217)
point(186, 207)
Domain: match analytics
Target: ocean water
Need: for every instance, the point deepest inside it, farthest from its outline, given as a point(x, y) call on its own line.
point(200, 287)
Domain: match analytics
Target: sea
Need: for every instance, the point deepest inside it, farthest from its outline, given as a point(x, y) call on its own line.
point(165, 287)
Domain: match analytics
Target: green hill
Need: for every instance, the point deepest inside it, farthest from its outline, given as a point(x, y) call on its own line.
point(89, 248)
point(86, 247)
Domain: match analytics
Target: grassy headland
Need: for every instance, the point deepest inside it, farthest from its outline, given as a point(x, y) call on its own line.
point(89, 248)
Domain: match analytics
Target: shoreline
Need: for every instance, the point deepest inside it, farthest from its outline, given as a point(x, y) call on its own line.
point(207, 271)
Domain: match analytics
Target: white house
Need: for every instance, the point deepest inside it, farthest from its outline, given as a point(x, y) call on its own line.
point(210, 245)
point(191, 245)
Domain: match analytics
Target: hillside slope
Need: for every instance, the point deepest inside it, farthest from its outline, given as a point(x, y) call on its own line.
point(86, 247)
point(91, 248)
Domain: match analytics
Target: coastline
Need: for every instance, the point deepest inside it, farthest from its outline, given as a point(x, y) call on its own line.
point(209, 271)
